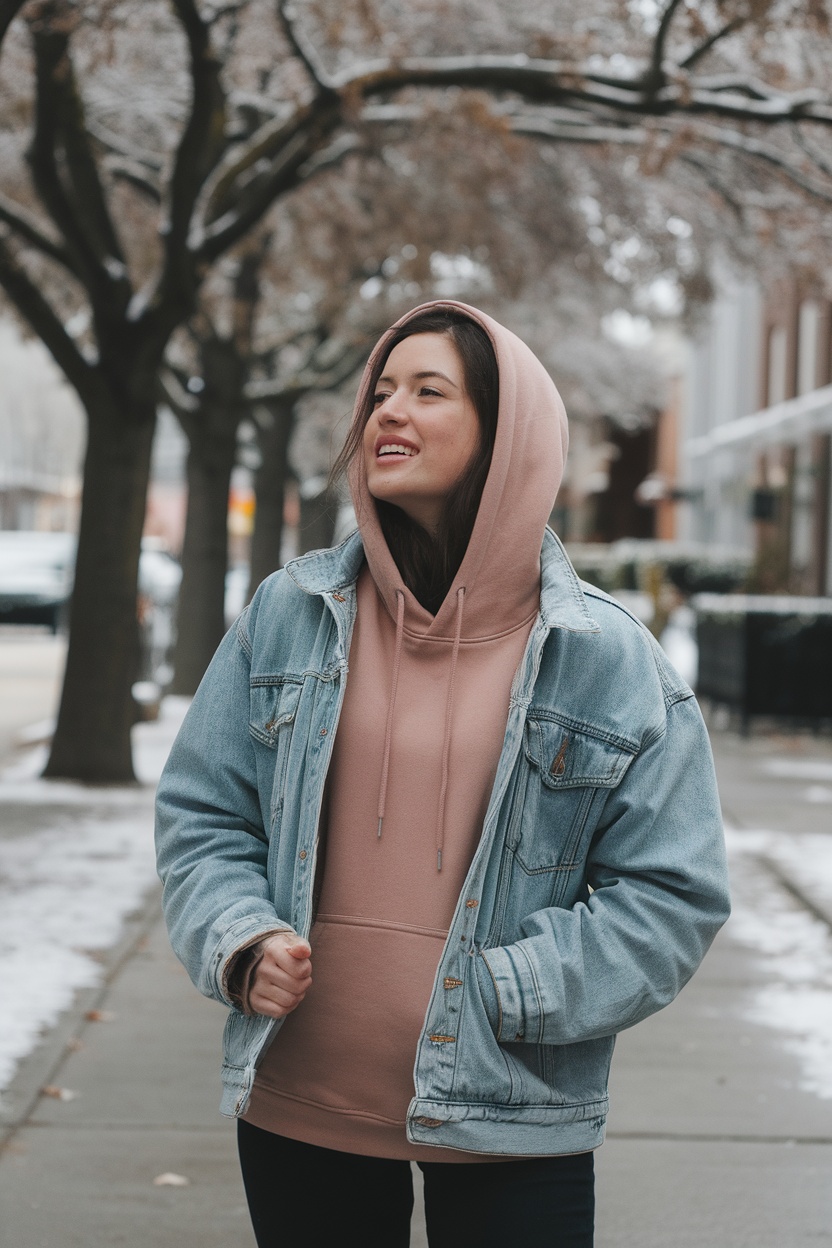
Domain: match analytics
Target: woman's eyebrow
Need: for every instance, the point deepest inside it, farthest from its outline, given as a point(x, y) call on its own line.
point(431, 372)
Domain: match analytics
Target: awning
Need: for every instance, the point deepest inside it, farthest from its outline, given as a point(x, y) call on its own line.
point(786, 422)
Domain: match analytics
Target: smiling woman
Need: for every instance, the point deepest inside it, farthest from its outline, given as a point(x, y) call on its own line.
point(440, 822)
point(423, 430)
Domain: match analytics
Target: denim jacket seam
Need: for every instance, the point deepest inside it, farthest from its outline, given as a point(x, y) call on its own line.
point(677, 695)
point(243, 638)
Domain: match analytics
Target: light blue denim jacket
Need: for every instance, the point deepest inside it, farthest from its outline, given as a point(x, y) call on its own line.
point(597, 887)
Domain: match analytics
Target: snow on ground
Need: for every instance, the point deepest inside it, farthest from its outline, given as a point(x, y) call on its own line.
point(792, 947)
point(75, 861)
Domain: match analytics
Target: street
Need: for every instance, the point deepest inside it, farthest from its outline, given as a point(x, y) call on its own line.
point(721, 1125)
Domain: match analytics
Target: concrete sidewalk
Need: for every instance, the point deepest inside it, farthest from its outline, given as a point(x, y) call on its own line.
point(711, 1139)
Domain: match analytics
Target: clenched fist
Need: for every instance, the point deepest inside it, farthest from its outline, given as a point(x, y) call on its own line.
point(282, 977)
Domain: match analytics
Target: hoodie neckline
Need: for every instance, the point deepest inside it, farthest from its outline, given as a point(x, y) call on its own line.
point(324, 573)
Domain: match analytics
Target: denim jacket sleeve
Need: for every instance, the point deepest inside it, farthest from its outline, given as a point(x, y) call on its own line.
point(657, 871)
point(210, 841)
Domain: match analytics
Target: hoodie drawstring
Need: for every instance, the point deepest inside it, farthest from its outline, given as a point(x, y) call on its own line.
point(446, 745)
point(388, 734)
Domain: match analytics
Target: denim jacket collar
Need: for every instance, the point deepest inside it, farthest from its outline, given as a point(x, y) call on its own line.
point(562, 602)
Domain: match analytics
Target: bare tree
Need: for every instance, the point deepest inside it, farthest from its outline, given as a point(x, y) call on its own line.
point(249, 127)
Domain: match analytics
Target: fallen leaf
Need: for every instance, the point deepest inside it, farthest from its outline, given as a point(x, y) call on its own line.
point(171, 1180)
point(59, 1094)
point(99, 1016)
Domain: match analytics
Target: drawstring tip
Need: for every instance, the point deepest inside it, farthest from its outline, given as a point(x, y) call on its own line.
point(439, 860)
point(380, 822)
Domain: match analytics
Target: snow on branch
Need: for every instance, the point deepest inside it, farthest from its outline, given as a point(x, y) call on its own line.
point(543, 82)
point(25, 226)
point(287, 14)
point(34, 308)
point(9, 10)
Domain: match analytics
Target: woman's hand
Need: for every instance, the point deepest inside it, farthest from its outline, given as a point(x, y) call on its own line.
point(282, 977)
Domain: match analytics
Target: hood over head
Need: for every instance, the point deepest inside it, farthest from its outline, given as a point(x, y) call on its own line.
point(500, 572)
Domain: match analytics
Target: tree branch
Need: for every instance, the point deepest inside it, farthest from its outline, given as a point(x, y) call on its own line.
point(9, 10)
point(704, 48)
point(817, 160)
point(551, 82)
point(26, 227)
point(83, 173)
point(654, 77)
point(200, 146)
point(79, 211)
point(302, 140)
point(287, 14)
point(741, 144)
point(135, 175)
point(31, 304)
point(175, 396)
point(120, 147)
point(307, 378)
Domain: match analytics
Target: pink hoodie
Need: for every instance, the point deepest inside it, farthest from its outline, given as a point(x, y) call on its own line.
point(418, 743)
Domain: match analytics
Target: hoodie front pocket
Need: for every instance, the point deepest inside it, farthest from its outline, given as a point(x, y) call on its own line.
point(574, 771)
point(273, 709)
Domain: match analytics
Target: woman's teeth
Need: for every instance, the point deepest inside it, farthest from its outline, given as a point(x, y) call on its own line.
point(393, 449)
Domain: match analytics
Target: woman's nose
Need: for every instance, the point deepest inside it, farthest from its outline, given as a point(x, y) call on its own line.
point(392, 410)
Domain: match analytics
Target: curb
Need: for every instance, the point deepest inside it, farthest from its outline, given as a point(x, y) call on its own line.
point(817, 906)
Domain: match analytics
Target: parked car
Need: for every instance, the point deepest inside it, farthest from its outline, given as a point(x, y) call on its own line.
point(159, 579)
point(36, 572)
point(36, 576)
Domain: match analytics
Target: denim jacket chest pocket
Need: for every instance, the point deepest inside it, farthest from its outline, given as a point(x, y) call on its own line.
point(274, 704)
point(570, 775)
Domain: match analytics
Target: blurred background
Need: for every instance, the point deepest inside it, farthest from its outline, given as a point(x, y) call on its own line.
point(208, 214)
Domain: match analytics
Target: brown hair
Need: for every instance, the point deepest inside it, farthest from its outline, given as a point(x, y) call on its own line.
point(429, 562)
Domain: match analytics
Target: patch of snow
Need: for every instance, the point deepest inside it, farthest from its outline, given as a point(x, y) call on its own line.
point(69, 881)
point(797, 768)
point(794, 948)
point(817, 794)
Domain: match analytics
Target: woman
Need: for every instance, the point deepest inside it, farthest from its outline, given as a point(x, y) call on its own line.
point(440, 822)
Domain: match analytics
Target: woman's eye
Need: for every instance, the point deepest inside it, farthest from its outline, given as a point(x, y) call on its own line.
point(436, 394)
point(378, 399)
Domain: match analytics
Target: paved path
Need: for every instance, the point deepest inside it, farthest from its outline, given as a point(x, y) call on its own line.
point(713, 1142)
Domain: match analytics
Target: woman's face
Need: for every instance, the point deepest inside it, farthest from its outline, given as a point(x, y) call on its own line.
point(423, 429)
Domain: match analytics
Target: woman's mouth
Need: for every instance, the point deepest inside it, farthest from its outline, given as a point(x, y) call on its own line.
point(395, 449)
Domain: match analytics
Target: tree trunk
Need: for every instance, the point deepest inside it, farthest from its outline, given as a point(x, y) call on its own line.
point(270, 493)
point(318, 514)
point(201, 616)
point(92, 735)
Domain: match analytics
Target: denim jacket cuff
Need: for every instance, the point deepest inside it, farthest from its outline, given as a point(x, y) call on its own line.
point(240, 935)
point(507, 990)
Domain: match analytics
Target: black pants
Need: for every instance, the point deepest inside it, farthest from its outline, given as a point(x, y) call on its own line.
point(299, 1194)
